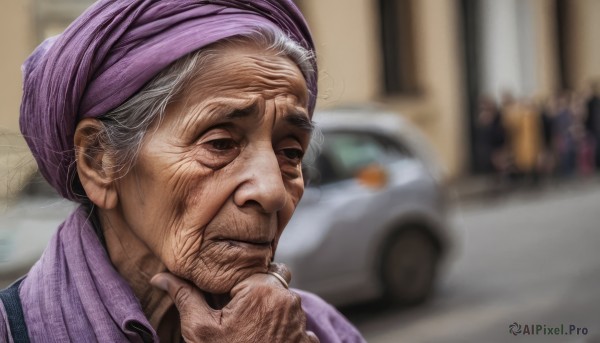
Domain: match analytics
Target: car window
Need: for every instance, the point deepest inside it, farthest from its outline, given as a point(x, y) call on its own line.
point(344, 153)
point(353, 151)
point(393, 148)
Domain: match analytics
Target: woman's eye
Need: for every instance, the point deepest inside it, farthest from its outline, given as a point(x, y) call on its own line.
point(222, 144)
point(293, 154)
point(218, 149)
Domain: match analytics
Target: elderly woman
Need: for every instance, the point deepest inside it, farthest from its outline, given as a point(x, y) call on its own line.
point(180, 127)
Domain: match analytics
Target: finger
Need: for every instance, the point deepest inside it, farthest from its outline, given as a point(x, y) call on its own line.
point(312, 337)
point(199, 322)
point(282, 270)
point(186, 297)
point(263, 302)
point(257, 289)
point(264, 284)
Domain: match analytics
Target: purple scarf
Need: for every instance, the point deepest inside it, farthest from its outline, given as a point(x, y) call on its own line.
point(116, 47)
point(74, 294)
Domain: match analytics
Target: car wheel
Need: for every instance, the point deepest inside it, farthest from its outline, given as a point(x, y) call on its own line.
point(409, 267)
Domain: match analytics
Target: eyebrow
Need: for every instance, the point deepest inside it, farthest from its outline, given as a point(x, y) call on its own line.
point(300, 121)
point(238, 113)
point(297, 119)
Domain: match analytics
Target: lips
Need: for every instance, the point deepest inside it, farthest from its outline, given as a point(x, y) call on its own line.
point(256, 237)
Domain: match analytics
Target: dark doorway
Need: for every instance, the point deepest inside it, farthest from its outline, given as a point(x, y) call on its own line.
point(563, 25)
point(398, 46)
point(469, 11)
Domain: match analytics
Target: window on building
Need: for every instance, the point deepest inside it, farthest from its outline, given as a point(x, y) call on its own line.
point(397, 43)
point(564, 28)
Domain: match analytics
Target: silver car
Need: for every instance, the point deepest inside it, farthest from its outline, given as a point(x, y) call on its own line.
point(372, 220)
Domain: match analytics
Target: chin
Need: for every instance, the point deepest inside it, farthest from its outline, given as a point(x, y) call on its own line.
point(220, 275)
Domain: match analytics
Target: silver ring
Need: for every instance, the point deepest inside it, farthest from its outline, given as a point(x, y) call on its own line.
point(281, 279)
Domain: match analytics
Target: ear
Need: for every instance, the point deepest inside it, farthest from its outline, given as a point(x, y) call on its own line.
point(94, 165)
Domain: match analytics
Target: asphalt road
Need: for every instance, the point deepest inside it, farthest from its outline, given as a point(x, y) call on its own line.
point(532, 259)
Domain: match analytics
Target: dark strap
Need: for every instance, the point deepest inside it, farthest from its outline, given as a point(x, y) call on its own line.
point(14, 311)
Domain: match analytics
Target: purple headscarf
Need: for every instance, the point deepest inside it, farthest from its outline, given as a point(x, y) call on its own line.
point(111, 51)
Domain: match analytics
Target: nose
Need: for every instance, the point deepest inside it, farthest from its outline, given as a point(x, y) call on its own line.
point(262, 184)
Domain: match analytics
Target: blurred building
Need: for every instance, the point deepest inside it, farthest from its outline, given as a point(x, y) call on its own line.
point(426, 59)
point(23, 25)
point(431, 59)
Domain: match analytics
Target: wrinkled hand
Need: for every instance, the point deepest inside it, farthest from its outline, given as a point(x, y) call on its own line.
point(261, 310)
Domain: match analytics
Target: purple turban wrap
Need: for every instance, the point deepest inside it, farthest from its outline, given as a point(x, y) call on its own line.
point(112, 50)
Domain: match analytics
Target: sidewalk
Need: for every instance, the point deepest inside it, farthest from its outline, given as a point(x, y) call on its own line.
point(487, 188)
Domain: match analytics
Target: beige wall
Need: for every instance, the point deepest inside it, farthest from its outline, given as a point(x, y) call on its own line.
point(546, 46)
point(585, 38)
point(16, 39)
point(440, 70)
point(346, 46)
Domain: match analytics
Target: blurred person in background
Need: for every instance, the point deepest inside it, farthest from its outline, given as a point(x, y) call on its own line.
point(522, 122)
point(584, 142)
point(483, 143)
point(491, 138)
point(564, 135)
point(180, 128)
point(547, 159)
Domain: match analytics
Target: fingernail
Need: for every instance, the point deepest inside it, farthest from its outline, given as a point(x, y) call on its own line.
point(159, 281)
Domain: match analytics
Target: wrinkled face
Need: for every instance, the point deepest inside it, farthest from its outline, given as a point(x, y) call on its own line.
point(219, 178)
